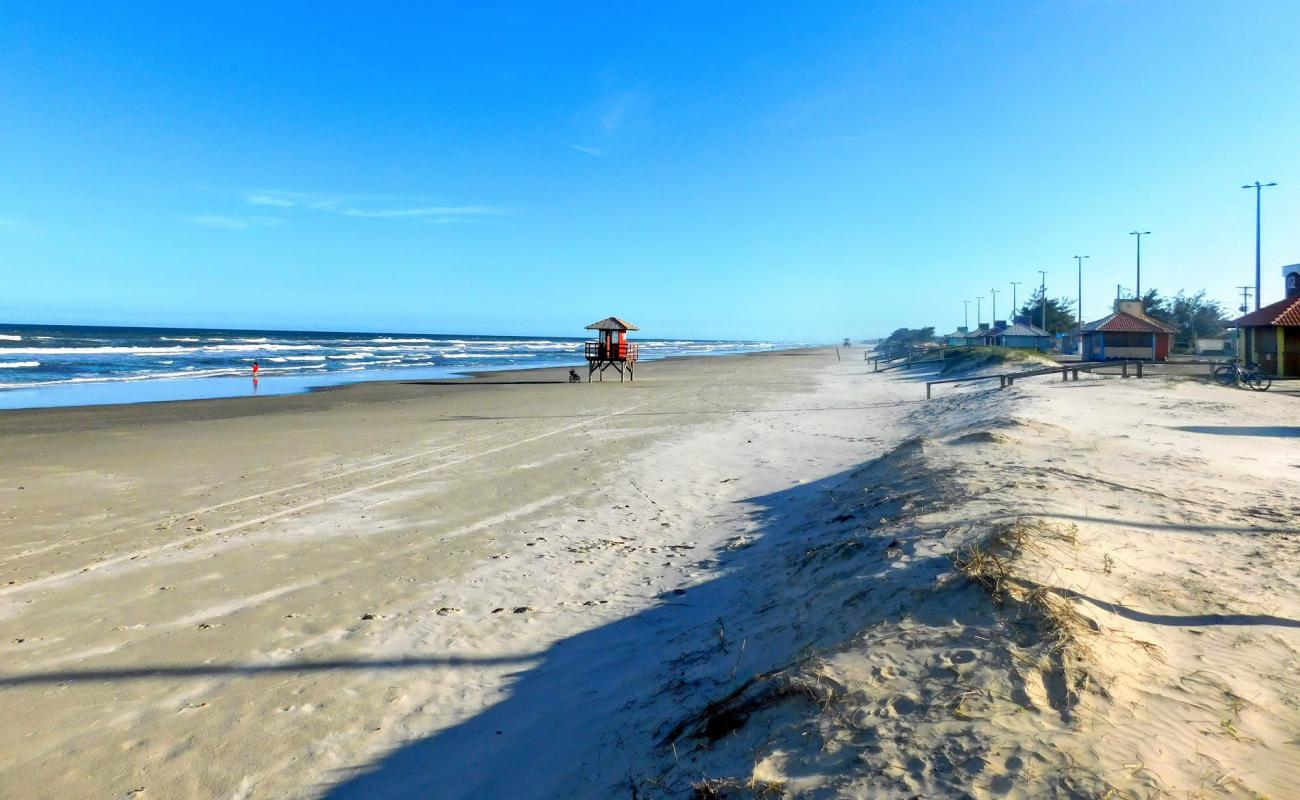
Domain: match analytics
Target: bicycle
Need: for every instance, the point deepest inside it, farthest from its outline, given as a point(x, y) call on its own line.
point(1232, 373)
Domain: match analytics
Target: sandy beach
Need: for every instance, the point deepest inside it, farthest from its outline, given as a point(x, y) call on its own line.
point(741, 576)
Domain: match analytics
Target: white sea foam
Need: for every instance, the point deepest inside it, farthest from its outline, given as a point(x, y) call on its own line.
point(93, 351)
point(19, 364)
point(10, 337)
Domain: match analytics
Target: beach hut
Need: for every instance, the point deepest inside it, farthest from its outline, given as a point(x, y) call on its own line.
point(1270, 336)
point(1126, 333)
point(976, 336)
point(957, 338)
point(988, 337)
point(1024, 335)
point(611, 349)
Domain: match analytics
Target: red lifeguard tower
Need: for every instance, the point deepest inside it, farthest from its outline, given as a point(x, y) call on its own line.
point(608, 351)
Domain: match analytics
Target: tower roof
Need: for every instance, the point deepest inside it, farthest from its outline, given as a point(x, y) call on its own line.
point(612, 324)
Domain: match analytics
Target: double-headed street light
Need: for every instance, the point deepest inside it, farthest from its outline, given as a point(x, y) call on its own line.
point(1079, 261)
point(1139, 234)
point(1258, 187)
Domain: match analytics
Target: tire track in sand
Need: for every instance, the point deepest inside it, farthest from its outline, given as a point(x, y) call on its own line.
point(138, 555)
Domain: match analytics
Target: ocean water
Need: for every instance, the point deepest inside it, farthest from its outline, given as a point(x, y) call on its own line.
point(65, 365)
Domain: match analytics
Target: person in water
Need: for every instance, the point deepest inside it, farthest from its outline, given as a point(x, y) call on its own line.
point(256, 367)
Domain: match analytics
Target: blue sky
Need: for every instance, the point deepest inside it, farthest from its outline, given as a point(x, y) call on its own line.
point(755, 170)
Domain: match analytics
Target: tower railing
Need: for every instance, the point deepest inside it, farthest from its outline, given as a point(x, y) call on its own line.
point(599, 351)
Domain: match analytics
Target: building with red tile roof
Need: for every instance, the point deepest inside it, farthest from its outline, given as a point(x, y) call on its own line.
point(1270, 336)
point(1126, 333)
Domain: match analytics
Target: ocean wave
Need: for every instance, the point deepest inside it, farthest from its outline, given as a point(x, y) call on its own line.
point(350, 356)
point(19, 364)
point(10, 337)
point(93, 351)
point(257, 348)
point(178, 339)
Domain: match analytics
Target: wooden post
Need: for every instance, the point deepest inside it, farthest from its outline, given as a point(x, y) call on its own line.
point(1123, 370)
point(1139, 369)
point(1065, 374)
point(927, 390)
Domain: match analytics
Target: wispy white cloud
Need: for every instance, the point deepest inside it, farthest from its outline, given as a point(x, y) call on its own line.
point(222, 222)
point(366, 206)
point(419, 211)
point(277, 200)
point(622, 109)
point(591, 151)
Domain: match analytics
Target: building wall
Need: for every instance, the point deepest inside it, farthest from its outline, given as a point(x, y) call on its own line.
point(1128, 352)
point(1031, 342)
point(1275, 349)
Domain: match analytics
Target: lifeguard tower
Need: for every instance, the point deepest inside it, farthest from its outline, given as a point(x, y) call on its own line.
point(610, 351)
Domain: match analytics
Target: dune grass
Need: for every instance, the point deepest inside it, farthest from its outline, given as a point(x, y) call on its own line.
point(977, 358)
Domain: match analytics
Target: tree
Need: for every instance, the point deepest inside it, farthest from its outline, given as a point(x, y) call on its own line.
point(908, 337)
point(1196, 317)
point(1153, 305)
point(1060, 313)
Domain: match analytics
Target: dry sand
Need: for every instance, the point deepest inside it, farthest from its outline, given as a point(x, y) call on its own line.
point(771, 575)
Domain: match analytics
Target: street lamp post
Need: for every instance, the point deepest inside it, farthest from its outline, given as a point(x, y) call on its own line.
point(1079, 261)
point(979, 313)
point(1043, 289)
point(1014, 307)
point(1139, 234)
point(965, 310)
point(1259, 188)
point(994, 292)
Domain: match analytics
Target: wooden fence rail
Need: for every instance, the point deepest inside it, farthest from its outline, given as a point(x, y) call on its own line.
point(1068, 372)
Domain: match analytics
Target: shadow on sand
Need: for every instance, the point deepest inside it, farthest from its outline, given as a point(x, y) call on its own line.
point(603, 713)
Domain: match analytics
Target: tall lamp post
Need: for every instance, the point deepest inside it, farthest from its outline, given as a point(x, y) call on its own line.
point(979, 312)
point(1139, 234)
point(1259, 188)
point(965, 310)
point(1079, 261)
point(1014, 307)
point(994, 292)
point(1042, 322)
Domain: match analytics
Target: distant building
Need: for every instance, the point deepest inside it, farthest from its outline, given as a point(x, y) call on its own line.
point(957, 338)
point(989, 336)
point(1270, 337)
point(1127, 332)
point(1024, 335)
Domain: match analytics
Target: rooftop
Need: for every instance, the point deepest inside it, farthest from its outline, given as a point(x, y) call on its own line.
point(1283, 312)
point(1021, 329)
point(612, 324)
point(1125, 322)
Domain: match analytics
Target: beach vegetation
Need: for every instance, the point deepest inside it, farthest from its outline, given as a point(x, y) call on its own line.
point(1059, 312)
point(989, 357)
point(1193, 315)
